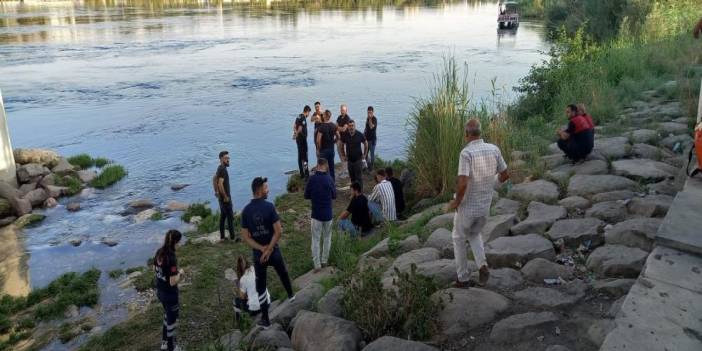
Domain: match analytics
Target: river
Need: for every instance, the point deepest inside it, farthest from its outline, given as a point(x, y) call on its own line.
point(162, 86)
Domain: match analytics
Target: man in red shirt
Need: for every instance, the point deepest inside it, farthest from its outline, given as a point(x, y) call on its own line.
point(578, 140)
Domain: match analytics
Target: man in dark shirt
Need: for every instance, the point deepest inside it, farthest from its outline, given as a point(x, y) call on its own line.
point(261, 230)
point(327, 135)
point(300, 136)
point(578, 140)
point(353, 152)
point(224, 196)
point(397, 189)
point(371, 137)
point(358, 211)
point(317, 118)
point(321, 191)
point(342, 124)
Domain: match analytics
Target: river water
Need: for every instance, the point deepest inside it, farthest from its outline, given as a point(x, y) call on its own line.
point(162, 86)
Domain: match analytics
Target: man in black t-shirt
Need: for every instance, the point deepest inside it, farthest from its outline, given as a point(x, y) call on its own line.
point(224, 196)
point(371, 137)
point(353, 151)
point(300, 136)
point(358, 211)
point(327, 135)
point(342, 124)
point(397, 189)
point(261, 230)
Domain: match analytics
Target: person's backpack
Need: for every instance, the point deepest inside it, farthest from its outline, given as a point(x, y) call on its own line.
point(697, 150)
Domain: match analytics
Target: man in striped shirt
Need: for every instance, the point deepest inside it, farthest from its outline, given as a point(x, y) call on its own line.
point(478, 165)
point(382, 199)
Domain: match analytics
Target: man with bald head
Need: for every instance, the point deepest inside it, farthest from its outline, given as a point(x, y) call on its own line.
point(478, 165)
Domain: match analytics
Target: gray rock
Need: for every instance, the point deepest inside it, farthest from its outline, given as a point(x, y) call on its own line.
point(443, 271)
point(617, 261)
point(540, 218)
point(50, 203)
point(608, 211)
point(666, 187)
point(141, 204)
point(383, 247)
point(63, 167)
point(313, 277)
point(615, 308)
point(636, 232)
point(644, 136)
point(546, 298)
point(29, 219)
point(86, 176)
point(391, 343)
point(44, 157)
point(497, 226)
point(7, 221)
point(613, 196)
point(321, 332)
point(575, 202)
point(643, 169)
point(650, 206)
point(366, 262)
point(594, 166)
point(230, 341)
point(31, 171)
point(441, 221)
point(614, 287)
point(441, 240)
point(649, 152)
point(511, 251)
point(506, 206)
point(73, 207)
point(178, 187)
point(273, 337)
point(598, 330)
point(56, 191)
point(502, 279)
point(587, 185)
point(467, 309)
point(416, 257)
point(577, 231)
point(431, 211)
point(683, 139)
point(539, 269)
point(522, 327)
point(36, 197)
point(24, 189)
point(673, 128)
point(330, 303)
point(304, 300)
point(552, 161)
point(613, 148)
point(538, 190)
point(174, 205)
point(109, 242)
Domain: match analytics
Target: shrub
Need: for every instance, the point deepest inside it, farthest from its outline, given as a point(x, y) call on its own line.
point(84, 161)
point(109, 175)
point(200, 209)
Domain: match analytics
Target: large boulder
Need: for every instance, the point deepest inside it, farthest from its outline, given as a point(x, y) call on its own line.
point(272, 338)
point(502, 279)
point(636, 232)
point(539, 269)
point(540, 218)
point(174, 205)
point(467, 309)
point(577, 231)
point(564, 172)
point(538, 190)
point(19, 205)
point(443, 271)
point(649, 152)
point(665, 187)
point(613, 148)
point(141, 204)
point(684, 140)
point(304, 300)
point(546, 297)
point(650, 206)
point(673, 128)
point(617, 261)
point(441, 221)
point(391, 343)
point(497, 226)
point(514, 251)
point(56, 191)
point(63, 167)
point(313, 277)
point(521, 327)
point(86, 176)
point(575, 203)
point(613, 196)
point(41, 156)
point(587, 185)
point(36, 197)
point(428, 212)
point(144, 215)
point(441, 240)
point(416, 257)
point(643, 169)
point(31, 172)
point(29, 219)
point(5, 208)
point(330, 303)
point(321, 332)
point(608, 211)
point(506, 206)
point(614, 287)
point(646, 136)
point(231, 341)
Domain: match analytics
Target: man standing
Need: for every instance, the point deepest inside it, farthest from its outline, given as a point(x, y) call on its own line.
point(358, 211)
point(321, 191)
point(397, 189)
point(224, 196)
point(478, 164)
point(353, 152)
point(261, 230)
point(382, 199)
point(300, 136)
point(578, 140)
point(327, 134)
point(371, 137)
point(342, 128)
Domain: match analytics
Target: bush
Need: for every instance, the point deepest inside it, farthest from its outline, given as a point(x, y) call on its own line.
point(109, 175)
point(200, 209)
point(84, 161)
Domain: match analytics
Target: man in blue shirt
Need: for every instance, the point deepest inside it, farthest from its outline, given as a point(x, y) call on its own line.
point(261, 229)
point(321, 191)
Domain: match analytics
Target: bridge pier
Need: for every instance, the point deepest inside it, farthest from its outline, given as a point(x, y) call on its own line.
point(8, 173)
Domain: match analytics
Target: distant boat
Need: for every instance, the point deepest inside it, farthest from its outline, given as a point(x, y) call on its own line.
point(508, 16)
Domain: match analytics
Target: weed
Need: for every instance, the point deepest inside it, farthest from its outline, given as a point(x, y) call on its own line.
point(108, 176)
point(84, 161)
point(199, 209)
point(73, 184)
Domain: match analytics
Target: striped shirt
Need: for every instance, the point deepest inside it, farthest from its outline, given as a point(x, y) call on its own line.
point(384, 194)
point(480, 162)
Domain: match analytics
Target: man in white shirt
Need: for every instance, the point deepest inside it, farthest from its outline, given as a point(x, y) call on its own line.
point(478, 164)
point(382, 199)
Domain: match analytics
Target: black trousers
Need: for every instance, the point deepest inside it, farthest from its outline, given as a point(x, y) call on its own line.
point(573, 150)
point(356, 171)
point(226, 214)
point(276, 260)
point(170, 305)
point(302, 161)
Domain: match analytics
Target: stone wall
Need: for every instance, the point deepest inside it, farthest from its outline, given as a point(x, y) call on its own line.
point(7, 160)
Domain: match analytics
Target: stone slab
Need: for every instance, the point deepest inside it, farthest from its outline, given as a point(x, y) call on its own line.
point(681, 227)
point(674, 267)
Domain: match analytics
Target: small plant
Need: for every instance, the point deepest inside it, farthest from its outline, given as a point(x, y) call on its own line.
point(114, 274)
point(209, 224)
point(199, 209)
point(84, 161)
point(109, 175)
point(73, 184)
point(157, 216)
point(145, 281)
point(101, 162)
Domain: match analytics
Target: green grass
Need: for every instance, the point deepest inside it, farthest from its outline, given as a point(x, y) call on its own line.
point(109, 176)
point(84, 161)
point(73, 184)
point(295, 183)
point(116, 273)
point(101, 162)
point(200, 209)
point(156, 216)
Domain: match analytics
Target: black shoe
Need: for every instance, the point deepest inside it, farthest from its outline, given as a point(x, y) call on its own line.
point(263, 324)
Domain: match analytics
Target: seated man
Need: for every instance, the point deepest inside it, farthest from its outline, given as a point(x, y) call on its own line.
point(382, 199)
point(358, 211)
point(578, 139)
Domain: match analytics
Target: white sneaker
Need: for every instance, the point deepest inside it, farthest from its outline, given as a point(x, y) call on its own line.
point(164, 345)
point(177, 348)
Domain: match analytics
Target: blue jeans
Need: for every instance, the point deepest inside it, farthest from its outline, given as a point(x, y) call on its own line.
point(371, 154)
point(376, 212)
point(328, 154)
point(345, 225)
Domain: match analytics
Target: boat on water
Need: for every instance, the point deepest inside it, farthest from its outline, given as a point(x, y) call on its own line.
point(508, 16)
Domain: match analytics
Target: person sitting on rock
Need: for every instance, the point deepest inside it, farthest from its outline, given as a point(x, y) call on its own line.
point(576, 141)
point(246, 297)
point(382, 200)
point(360, 221)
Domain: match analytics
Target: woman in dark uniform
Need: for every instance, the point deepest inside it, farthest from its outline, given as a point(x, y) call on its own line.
point(167, 277)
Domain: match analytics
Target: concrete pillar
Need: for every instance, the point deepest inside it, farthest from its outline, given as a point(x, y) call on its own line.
point(8, 173)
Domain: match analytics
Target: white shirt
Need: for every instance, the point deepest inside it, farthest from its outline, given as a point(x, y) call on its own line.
point(383, 193)
point(247, 284)
point(480, 162)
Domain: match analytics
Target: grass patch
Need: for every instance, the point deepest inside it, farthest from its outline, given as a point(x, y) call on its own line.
point(108, 176)
point(101, 162)
point(84, 161)
point(116, 273)
point(73, 184)
point(199, 209)
point(295, 183)
point(157, 216)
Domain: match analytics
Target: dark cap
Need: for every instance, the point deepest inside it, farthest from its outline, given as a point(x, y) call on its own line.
point(257, 183)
